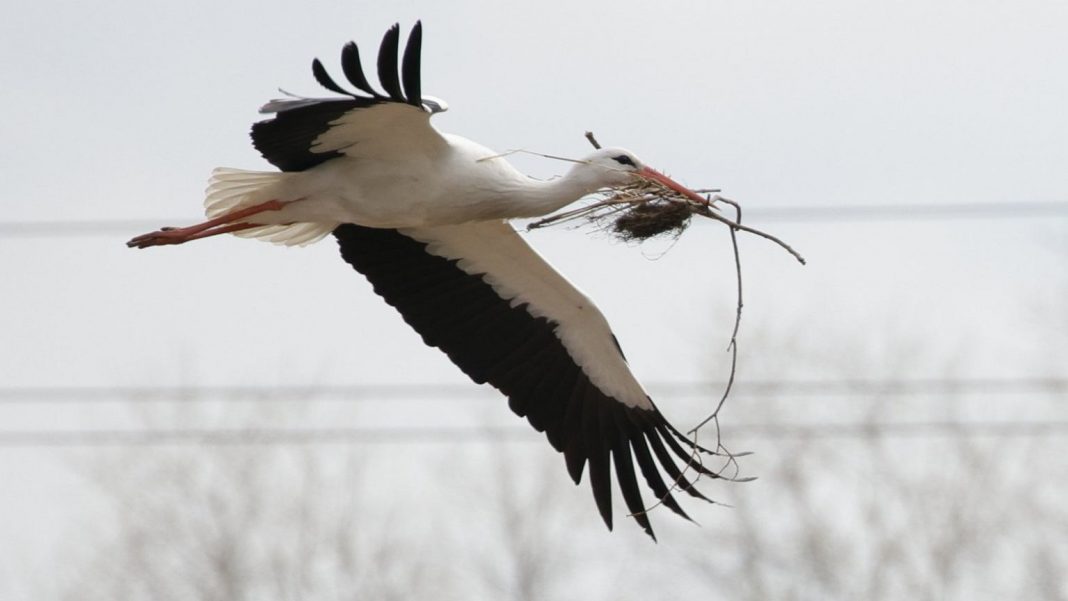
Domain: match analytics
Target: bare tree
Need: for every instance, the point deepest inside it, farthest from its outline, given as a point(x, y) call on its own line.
point(868, 518)
point(528, 553)
point(246, 522)
point(864, 515)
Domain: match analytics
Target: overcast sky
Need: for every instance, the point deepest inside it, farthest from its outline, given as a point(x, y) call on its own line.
point(119, 110)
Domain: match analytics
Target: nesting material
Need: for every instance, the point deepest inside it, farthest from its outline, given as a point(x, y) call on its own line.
point(635, 213)
point(649, 220)
point(646, 209)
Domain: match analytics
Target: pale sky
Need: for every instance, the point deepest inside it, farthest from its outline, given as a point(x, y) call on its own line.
point(119, 110)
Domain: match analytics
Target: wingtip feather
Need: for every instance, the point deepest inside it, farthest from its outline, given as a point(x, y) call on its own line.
point(388, 75)
point(324, 79)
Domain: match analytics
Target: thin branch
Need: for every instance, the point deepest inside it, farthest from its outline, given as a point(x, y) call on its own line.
point(593, 140)
point(735, 225)
point(732, 346)
point(738, 268)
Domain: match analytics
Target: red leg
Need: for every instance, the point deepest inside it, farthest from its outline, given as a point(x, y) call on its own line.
point(212, 227)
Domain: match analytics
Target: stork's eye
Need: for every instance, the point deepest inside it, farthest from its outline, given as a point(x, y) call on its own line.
point(624, 160)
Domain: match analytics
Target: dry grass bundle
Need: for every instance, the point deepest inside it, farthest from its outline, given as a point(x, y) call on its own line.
point(649, 220)
point(635, 213)
point(646, 209)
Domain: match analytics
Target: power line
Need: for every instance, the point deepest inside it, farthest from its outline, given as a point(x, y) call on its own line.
point(465, 392)
point(910, 212)
point(408, 435)
point(801, 214)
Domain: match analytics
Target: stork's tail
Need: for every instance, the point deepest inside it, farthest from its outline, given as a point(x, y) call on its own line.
point(233, 189)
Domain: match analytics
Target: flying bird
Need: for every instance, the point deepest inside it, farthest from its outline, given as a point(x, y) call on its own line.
point(424, 216)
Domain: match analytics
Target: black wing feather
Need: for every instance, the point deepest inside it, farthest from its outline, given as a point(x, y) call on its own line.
point(628, 483)
point(286, 139)
point(574, 446)
point(353, 69)
point(598, 457)
point(324, 79)
point(670, 468)
point(387, 64)
point(520, 354)
point(410, 67)
point(652, 475)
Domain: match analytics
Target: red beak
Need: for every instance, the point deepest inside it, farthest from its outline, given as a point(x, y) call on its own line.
point(653, 175)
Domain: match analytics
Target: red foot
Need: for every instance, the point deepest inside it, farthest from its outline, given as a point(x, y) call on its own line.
point(159, 237)
point(171, 235)
point(212, 227)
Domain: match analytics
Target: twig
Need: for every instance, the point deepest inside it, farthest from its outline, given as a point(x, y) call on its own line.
point(732, 346)
point(733, 203)
point(738, 226)
point(738, 267)
point(593, 140)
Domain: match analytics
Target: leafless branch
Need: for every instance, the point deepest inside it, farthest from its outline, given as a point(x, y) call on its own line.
point(735, 225)
point(732, 346)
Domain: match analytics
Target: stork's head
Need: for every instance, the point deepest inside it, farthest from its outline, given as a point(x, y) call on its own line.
point(618, 167)
point(613, 166)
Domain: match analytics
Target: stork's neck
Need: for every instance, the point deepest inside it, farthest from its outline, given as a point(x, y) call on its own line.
point(544, 197)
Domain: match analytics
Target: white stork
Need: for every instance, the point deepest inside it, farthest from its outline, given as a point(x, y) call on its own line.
point(424, 216)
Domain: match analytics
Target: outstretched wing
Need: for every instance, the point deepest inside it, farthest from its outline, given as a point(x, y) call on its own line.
point(478, 292)
point(306, 132)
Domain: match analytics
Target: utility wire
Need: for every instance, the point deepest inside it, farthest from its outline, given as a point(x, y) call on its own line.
point(408, 435)
point(909, 212)
point(470, 392)
point(799, 214)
